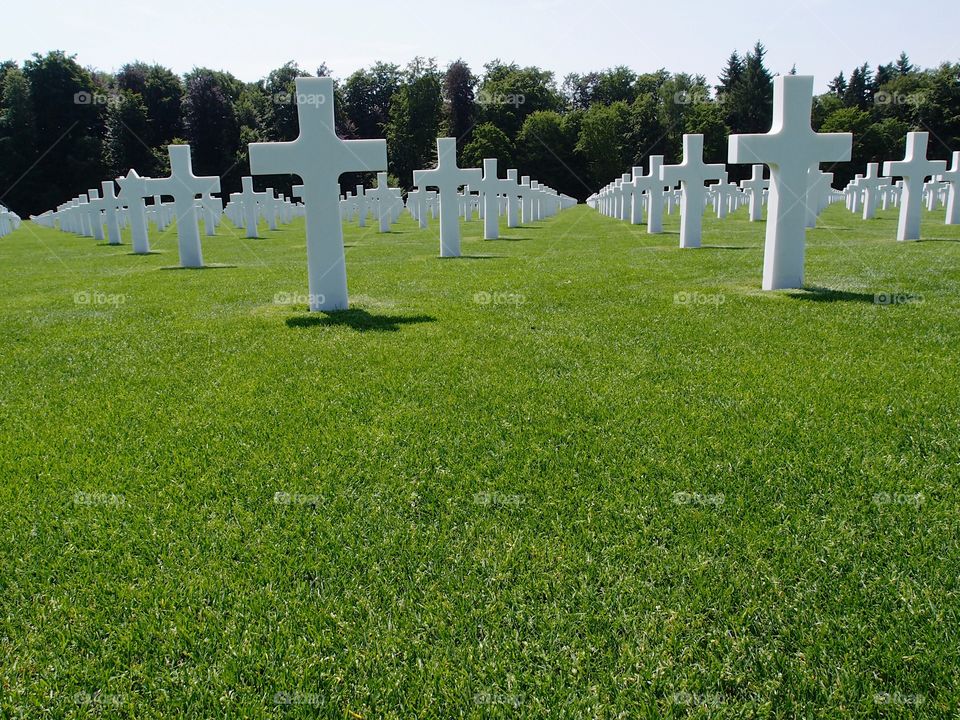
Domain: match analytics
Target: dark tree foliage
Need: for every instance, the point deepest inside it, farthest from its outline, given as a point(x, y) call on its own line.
point(459, 102)
point(64, 129)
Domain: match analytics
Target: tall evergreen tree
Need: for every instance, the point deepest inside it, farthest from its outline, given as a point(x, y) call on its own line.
point(18, 142)
point(838, 86)
point(414, 123)
point(126, 137)
point(68, 126)
point(903, 65)
point(859, 90)
point(460, 106)
point(755, 100)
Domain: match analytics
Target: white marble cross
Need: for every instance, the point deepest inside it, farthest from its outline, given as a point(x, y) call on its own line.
point(872, 185)
point(250, 200)
point(183, 186)
point(692, 173)
point(724, 193)
point(94, 208)
point(492, 187)
point(914, 169)
point(383, 199)
point(513, 199)
point(447, 178)
point(952, 176)
point(789, 149)
point(110, 206)
point(653, 186)
point(755, 187)
point(319, 157)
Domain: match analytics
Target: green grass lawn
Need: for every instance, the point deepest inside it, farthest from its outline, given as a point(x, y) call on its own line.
point(577, 473)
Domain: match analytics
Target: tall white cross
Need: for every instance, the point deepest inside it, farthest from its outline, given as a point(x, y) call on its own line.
point(250, 203)
point(914, 169)
point(360, 199)
point(871, 184)
point(692, 173)
point(212, 210)
point(447, 178)
point(183, 186)
point(110, 206)
point(492, 187)
point(95, 205)
point(755, 187)
point(652, 185)
point(319, 157)
point(133, 189)
point(952, 176)
point(382, 201)
point(789, 149)
point(513, 199)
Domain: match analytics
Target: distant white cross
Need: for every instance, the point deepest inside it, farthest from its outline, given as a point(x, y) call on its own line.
point(110, 206)
point(914, 169)
point(952, 176)
point(754, 188)
point(692, 173)
point(492, 187)
point(183, 186)
point(448, 179)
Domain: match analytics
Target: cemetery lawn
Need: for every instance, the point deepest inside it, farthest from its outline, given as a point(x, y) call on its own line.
point(576, 473)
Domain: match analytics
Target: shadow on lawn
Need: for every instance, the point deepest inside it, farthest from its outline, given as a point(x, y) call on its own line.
point(822, 294)
point(212, 266)
point(359, 320)
point(726, 247)
point(474, 257)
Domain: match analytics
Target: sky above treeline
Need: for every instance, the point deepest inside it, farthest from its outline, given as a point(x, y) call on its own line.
point(248, 39)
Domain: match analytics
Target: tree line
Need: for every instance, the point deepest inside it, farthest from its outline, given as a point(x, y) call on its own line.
point(63, 127)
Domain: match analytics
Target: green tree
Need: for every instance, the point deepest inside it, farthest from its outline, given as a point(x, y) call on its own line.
point(755, 98)
point(279, 121)
point(603, 141)
point(509, 93)
point(68, 125)
point(414, 123)
point(17, 141)
point(488, 141)
point(459, 102)
point(367, 95)
point(707, 119)
point(859, 90)
point(545, 148)
point(125, 144)
point(210, 123)
point(162, 94)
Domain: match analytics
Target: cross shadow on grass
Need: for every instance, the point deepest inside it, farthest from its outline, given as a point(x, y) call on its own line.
point(212, 266)
point(725, 247)
point(821, 294)
point(474, 257)
point(357, 319)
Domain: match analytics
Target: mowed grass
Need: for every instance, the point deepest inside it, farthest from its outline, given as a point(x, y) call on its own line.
point(577, 473)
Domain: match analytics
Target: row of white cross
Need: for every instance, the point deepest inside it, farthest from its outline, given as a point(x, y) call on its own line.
point(319, 158)
point(630, 196)
point(798, 190)
point(9, 221)
point(865, 192)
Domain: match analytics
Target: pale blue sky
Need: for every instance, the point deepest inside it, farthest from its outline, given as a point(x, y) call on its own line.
point(251, 38)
